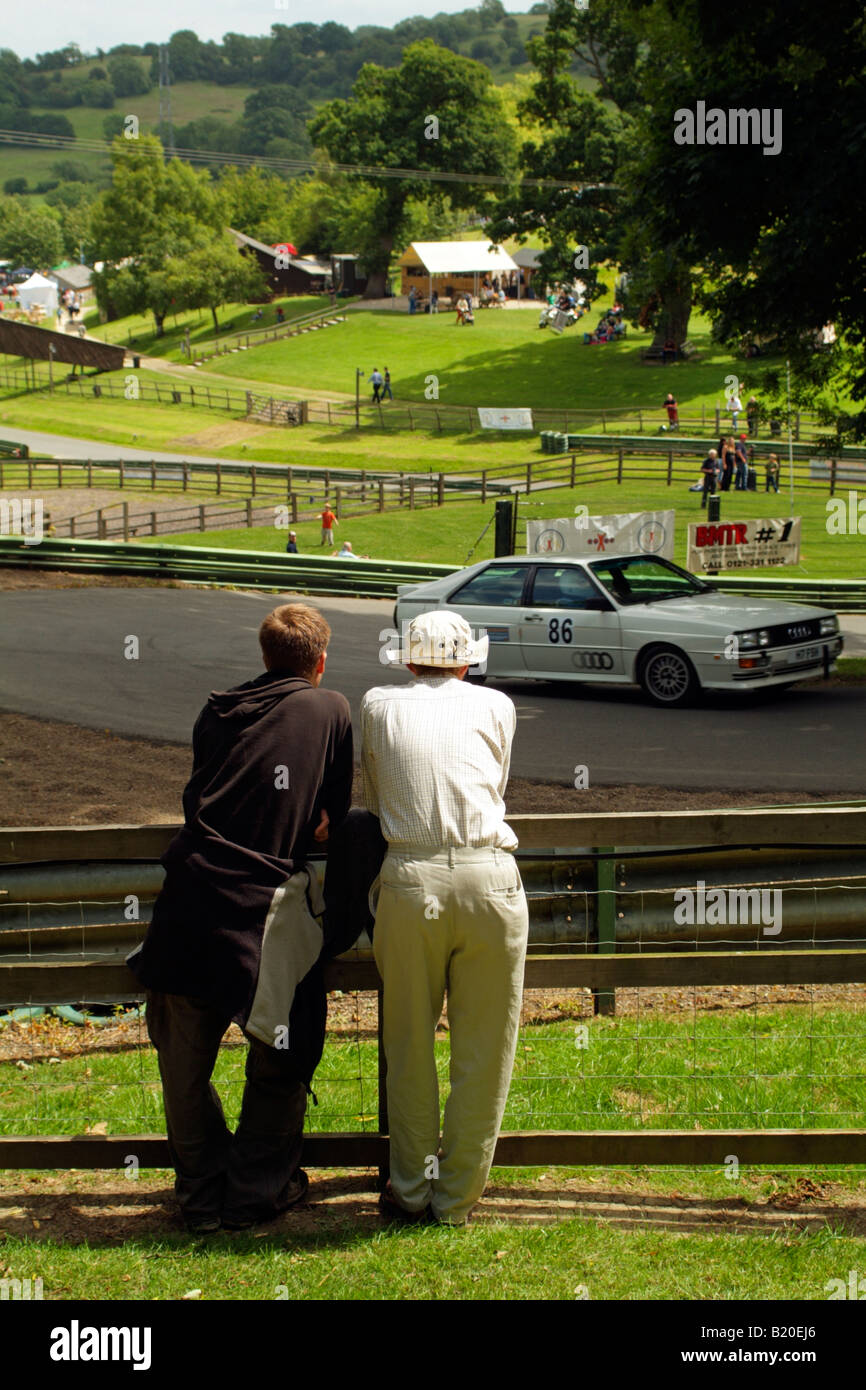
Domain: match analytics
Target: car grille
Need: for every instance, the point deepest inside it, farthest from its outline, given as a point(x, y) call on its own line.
point(792, 634)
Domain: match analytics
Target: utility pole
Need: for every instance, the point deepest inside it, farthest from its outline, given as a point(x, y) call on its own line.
point(166, 129)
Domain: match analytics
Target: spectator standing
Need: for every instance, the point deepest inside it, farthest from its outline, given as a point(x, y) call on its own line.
point(434, 302)
point(752, 409)
point(708, 469)
point(451, 915)
point(378, 382)
point(329, 521)
point(772, 473)
point(729, 459)
point(292, 544)
point(736, 406)
point(742, 464)
point(386, 386)
point(670, 405)
point(413, 300)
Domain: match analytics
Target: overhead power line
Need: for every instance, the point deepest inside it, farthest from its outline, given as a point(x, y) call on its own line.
point(84, 145)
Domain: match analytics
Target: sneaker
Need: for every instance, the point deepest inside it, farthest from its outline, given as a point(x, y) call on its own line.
point(297, 1192)
point(392, 1210)
point(202, 1225)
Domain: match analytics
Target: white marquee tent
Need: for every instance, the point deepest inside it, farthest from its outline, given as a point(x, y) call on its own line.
point(458, 258)
point(38, 290)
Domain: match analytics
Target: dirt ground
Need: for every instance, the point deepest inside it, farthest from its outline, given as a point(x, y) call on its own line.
point(107, 1209)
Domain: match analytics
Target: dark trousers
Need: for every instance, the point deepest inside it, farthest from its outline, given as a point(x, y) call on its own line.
point(709, 488)
point(250, 1173)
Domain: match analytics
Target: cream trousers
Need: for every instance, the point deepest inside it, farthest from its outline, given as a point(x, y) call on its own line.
point(454, 921)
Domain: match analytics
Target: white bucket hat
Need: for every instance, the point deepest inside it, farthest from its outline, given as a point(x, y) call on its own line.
point(439, 638)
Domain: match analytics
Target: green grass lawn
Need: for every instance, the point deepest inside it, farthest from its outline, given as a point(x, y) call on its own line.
point(350, 1259)
point(448, 535)
point(138, 330)
point(787, 1067)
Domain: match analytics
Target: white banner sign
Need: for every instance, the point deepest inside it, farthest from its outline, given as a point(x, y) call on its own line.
point(744, 545)
point(492, 419)
point(624, 533)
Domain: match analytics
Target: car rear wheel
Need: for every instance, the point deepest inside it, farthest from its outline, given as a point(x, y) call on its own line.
point(668, 677)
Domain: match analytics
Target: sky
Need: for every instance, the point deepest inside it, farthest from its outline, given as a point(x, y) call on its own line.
point(96, 24)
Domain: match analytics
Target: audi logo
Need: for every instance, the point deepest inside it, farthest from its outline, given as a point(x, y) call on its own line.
point(798, 631)
point(593, 661)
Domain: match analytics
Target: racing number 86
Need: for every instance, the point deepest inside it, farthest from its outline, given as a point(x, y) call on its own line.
point(557, 633)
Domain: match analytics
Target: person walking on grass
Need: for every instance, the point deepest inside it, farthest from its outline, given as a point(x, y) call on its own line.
point(670, 405)
point(234, 935)
point(386, 386)
point(451, 915)
point(329, 521)
point(378, 380)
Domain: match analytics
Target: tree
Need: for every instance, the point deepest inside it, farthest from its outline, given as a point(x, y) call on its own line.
point(215, 272)
point(29, 236)
point(153, 212)
point(257, 203)
point(128, 77)
point(437, 111)
point(781, 236)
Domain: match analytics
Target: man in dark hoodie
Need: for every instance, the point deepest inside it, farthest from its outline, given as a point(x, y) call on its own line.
point(234, 935)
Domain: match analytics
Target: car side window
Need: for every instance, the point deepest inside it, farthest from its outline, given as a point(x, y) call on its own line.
point(498, 585)
point(562, 586)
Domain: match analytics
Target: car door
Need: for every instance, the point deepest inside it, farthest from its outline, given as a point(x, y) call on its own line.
point(491, 602)
point(569, 626)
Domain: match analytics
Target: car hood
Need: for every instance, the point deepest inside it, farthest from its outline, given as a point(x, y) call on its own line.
point(725, 612)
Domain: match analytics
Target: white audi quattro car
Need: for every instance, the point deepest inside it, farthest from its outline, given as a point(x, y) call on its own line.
point(628, 619)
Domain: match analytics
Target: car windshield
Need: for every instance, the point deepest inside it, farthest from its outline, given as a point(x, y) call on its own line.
point(647, 579)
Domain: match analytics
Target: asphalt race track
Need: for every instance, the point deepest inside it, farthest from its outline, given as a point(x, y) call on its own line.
point(62, 657)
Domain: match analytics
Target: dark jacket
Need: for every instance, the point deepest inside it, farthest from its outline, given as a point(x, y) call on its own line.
point(268, 756)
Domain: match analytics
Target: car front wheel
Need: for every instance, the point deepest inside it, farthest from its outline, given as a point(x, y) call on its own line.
point(668, 677)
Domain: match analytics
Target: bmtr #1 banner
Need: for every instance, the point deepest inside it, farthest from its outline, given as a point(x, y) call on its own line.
point(623, 533)
point(744, 545)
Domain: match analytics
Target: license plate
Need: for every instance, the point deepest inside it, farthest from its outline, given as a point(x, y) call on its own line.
point(804, 654)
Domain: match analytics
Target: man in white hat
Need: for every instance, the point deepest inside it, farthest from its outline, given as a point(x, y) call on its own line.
point(451, 914)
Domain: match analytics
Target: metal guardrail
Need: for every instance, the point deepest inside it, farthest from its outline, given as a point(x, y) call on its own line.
point(327, 575)
point(246, 568)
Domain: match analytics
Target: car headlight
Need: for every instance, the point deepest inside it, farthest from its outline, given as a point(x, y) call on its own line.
point(749, 640)
point(829, 626)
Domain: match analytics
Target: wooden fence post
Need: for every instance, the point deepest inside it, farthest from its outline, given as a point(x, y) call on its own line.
point(411, 493)
point(201, 525)
point(484, 485)
point(89, 473)
point(363, 484)
point(248, 508)
point(603, 422)
point(528, 477)
point(293, 502)
point(338, 509)
point(122, 473)
point(219, 478)
point(718, 421)
point(619, 464)
point(605, 1000)
point(381, 495)
point(832, 477)
point(402, 487)
point(126, 521)
point(411, 419)
point(440, 490)
point(152, 475)
point(30, 474)
point(289, 481)
point(327, 482)
point(640, 421)
point(670, 465)
point(153, 523)
point(186, 477)
point(573, 463)
point(253, 479)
